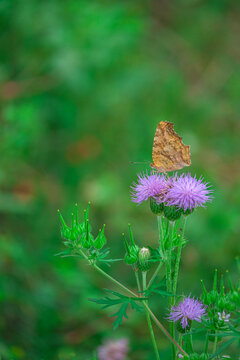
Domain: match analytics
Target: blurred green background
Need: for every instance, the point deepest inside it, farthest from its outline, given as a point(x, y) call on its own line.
point(83, 87)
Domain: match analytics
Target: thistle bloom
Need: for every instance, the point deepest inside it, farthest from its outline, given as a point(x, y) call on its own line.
point(223, 316)
point(187, 310)
point(149, 186)
point(187, 192)
point(113, 350)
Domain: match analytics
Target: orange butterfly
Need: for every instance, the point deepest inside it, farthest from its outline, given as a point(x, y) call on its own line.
point(169, 153)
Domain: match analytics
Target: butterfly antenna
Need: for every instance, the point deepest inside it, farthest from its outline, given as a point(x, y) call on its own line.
point(140, 162)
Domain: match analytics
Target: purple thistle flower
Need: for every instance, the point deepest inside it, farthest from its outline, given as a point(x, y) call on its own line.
point(223, 316)
point(113, 350)
point(149, 186)
point(187, 192)
point(187, 310)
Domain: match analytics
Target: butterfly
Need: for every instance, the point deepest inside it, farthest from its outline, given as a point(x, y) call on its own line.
point(169, 153)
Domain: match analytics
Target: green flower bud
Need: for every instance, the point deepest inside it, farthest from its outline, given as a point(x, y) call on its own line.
point(156, 208)
point(67, 232)
point(143, 259)
point(221, 304)
point(172, 213)
point(101, 240)
point(131, 256)
point(181, 329)
point(187, 212)
point(82, 227)
point(87, 240)
point(213, 296)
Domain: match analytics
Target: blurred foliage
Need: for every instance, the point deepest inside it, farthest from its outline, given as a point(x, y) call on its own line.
point(83, 85)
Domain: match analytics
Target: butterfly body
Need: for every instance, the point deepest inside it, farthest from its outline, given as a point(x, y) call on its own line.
point(169, 153)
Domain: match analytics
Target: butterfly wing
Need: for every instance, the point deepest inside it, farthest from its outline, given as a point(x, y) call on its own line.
point(169, 153)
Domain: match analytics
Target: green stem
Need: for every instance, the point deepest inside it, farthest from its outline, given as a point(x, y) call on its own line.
point(188, 342)
point(154, 275)
point(108, 276)
point(206, 344)
point(144, 277)
point(169, 261)
point(169, 281)
point(160, 237)
point(176, 270)
point(138, 282)
point(180, 339)
point(160, 229)
point(161, 327)
point(215, 345)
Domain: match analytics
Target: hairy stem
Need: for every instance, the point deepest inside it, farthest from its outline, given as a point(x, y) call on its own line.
point(160, 230)
point(160, 237)
point(177, 263)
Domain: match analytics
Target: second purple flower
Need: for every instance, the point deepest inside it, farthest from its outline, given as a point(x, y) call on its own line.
point(148, 186)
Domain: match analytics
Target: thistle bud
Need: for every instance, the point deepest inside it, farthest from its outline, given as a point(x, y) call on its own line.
point(156, 208)
point(143, 259)
point(172, 213)
point(100, 241)
point(180, 328)
point(187, 212)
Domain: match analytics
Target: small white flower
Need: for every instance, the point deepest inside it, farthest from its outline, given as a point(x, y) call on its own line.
point(223, 316)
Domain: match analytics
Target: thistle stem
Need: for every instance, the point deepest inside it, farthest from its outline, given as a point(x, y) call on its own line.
point(176, 270)
point(144, 278)
point(160, 229)
point(161, 327)
point(160, 237)
point(138, 282)
point(154, 275)
point(206, 344)
point(180, 339)
point(108, 276)
point(215, 344)
point(169, 281)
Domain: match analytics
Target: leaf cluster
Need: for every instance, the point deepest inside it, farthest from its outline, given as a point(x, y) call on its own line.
point(78, 238)
point(218, 300)
point(123, 301)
